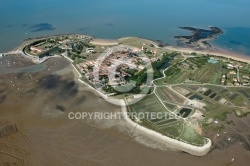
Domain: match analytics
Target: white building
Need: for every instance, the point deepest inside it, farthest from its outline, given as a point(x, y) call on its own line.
point(88, 50)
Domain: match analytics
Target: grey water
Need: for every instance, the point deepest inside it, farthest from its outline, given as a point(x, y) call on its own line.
point(28, 69)
point(152, 19)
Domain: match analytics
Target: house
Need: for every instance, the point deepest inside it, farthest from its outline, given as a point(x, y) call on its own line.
point(246, 77)
point(141, 67)
point(64, 41)
point(239, 65)
point(111, 83)
point(235, 79)
point(230, 65)
point(137, 50)
point(232, 72)
point(223, 80)
point(88, 50)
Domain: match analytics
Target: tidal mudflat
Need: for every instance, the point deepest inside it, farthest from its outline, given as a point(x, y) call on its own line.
point(33, 131)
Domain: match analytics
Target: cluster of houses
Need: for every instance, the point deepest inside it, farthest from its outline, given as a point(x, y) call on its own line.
point(234, 74)
point(112, 68)
point(245, 80)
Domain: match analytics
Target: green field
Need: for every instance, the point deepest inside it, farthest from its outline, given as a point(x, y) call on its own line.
point(190, 135)
point(168, 95)
point(172, 127)
point(171, 107)
point(195, 69)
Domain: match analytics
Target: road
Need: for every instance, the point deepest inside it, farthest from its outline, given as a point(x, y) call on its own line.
point(238, 74)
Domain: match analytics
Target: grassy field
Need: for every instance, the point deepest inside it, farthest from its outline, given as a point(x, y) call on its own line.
point(195, 69)
point(170, 126)
point(171, 107)
point(168, 95)
point(190, 135)
point(139, 43)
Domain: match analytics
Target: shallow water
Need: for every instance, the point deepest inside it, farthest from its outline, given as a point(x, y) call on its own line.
point(235, 39)
point(29, 69)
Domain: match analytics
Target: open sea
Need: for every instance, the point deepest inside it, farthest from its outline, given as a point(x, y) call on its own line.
point(152, 19)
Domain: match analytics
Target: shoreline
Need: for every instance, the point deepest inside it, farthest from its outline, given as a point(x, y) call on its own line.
point(214, 50)
point(167, 141)
point(170, 143)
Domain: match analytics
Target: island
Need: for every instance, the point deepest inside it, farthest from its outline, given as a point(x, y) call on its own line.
point(191, 88)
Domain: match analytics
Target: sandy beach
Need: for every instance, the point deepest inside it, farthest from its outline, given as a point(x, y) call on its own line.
point(208, 51)
point(104, 42)
point(112, 42)
point(212, 51)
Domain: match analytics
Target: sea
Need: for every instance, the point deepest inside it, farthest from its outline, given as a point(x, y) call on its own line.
point(111, 19)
